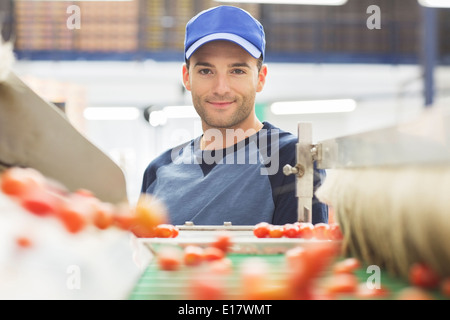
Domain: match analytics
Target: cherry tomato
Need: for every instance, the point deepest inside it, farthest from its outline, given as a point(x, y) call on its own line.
point(445, 287)
point(149, 213)
point(341, 283)
point(364, 292)
point(16, 181)
point(212, 253)
point(348, 265)
point(310, 264)
point(321, 231)
point(290, 230)
point(169, 258)
point(423, 276)
point(72, 216)
point(413, 293)
point(223, 242)
point(24, 242)
point(206, 286)
point(193, 255)
point(335, 232)
point(275, 231)
point(305, 230)
point(124, 217)
point(164, 231)
point(175, 232)
point(39, 201)
point(221, 266)
point(261, 230)
point(102, 216)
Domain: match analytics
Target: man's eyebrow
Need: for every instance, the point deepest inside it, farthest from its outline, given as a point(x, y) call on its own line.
point(239, 65)
point(203, 64)
point(233, 65)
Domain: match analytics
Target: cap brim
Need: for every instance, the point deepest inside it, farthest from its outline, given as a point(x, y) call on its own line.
point(248, 46)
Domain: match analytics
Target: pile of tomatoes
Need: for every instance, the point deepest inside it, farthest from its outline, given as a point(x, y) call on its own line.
point(304, 230)
point(80, 209)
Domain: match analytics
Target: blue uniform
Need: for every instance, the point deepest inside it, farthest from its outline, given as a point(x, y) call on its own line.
point(243, 184)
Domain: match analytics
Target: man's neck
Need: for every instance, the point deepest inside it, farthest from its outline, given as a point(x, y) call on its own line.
point(221, 138)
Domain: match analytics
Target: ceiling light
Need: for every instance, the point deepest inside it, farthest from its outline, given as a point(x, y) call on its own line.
point(74, 0)
point(178, 112)
point(302, 2)
point(111, 113)
point(314, 106)
point(435, 3)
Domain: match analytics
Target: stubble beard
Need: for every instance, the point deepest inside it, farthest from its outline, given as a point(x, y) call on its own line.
point(218, 121)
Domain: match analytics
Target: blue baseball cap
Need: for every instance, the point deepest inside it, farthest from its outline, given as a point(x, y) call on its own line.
point(225, 23)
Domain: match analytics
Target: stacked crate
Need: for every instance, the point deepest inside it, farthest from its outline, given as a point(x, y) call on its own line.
point(108, 26)
point(42, 26)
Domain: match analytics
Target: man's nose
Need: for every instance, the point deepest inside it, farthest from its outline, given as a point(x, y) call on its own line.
point(222, 84)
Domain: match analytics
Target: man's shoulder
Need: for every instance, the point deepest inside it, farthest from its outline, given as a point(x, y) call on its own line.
point(285, 137)
point(167, 156)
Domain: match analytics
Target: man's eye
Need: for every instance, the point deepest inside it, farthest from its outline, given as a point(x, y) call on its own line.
point(238, 71)
point(204, 71)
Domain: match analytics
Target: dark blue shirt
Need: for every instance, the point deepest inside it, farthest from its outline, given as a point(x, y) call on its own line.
point(243, 184)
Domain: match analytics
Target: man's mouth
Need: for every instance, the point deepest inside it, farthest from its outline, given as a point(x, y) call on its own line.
point(220, 104)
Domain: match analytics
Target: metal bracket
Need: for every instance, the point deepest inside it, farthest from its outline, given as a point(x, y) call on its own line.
point(304, 171)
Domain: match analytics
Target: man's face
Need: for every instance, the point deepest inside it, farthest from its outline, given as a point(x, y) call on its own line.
point(223, 79)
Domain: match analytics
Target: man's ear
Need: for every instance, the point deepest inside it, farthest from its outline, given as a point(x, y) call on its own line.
point(186, 81)
point(261, 78)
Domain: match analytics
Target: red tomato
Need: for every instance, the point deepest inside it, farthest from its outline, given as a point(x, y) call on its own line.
point(164, 231)
point(223, 242)
point(124, 217)
point(193, 255)
point(24, 242)
point(261, 230)
point(102, 216)
point(305, 230)
point(310, 264)
point(414, 293)
point(275, 231)
point(321, 231)
point(364, 292)
point(72, 216)
point(40, 201)
point(169, 258)
point(175, 232)
point(423, 276)
point(212, 253)
point(206, 286)
point(149, 213)
point(341, 283)
point(445, 287)
point(335, 232)
point(16, 181)
point(290, 230)
point(294, 257)
point(348, 265)
point(221, 266)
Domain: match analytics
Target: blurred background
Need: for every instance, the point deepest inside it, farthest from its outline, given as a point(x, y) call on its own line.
point(348, 67)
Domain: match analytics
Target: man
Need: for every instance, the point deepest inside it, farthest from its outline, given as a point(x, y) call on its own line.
point(233, 172)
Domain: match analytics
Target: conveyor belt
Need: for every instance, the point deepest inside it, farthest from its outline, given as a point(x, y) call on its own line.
point(156, 284)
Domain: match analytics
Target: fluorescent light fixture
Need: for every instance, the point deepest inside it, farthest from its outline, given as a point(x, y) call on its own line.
point(111, 113)
point(179, 112)
point(74, 0)
point(314, 106)
point(160, 117)
point(301, 2)
point(435, 3)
